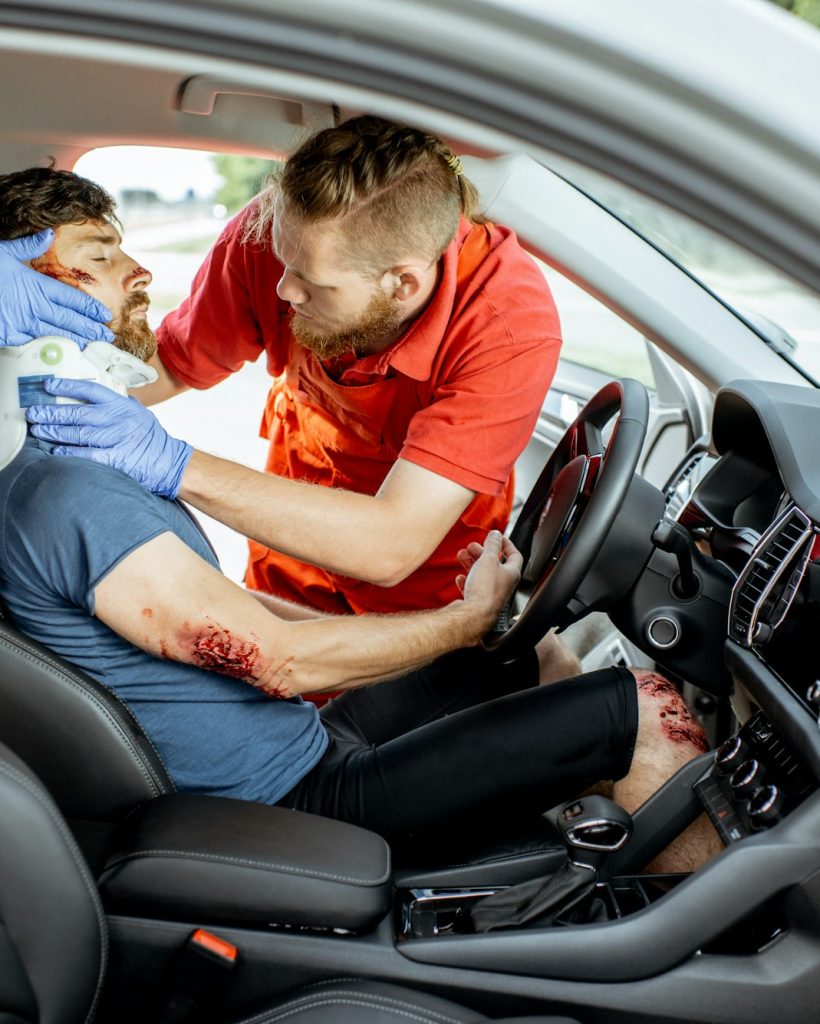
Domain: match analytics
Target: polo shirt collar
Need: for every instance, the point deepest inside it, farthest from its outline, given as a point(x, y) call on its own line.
point(413, 353)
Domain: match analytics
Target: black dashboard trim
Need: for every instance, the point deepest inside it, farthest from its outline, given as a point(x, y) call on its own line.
point(785, 414)
point(786, 712)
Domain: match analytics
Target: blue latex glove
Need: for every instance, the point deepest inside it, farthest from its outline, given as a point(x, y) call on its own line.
point(117, 431)
point(33, 305)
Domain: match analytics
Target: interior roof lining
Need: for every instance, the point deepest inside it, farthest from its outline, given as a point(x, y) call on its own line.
point(104, 65)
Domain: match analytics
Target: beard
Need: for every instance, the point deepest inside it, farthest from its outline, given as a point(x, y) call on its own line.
point(379, 321)
point(130, 335)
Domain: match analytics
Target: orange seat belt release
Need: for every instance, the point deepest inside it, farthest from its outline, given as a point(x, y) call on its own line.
point(197, 976)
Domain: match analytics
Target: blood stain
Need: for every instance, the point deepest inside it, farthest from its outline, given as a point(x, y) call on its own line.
point(686, 734)
point(81, 276)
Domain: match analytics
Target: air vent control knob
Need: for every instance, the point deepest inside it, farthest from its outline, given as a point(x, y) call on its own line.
point(748, 778)
point(730, 755)
point(765, 806)
point(813, 695)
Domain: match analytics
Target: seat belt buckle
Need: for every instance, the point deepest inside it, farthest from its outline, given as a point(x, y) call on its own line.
point(199, 973)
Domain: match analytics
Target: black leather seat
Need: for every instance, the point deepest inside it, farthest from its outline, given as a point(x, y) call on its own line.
point(53, 936)
point(82, 741)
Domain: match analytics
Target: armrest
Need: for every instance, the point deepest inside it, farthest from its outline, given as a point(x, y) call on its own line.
point(182, 856)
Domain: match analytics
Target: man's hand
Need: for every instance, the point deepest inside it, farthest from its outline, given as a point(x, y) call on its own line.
point(118, 431)
point(33, 305)
point(491, 574)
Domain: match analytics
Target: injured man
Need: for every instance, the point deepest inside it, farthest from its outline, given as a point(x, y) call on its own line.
point(124, 585)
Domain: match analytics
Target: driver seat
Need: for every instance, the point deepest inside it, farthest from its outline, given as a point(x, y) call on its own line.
point(53, 934)
point(95, 760)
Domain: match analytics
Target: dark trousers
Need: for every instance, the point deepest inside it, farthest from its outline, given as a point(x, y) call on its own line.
point(466, 738)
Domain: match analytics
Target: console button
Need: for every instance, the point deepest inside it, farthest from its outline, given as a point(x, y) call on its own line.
point(730, 755)
point(765, 806)
point(663, 631)
point(748, 778)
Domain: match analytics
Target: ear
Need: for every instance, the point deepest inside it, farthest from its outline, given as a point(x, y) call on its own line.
point(406, 281)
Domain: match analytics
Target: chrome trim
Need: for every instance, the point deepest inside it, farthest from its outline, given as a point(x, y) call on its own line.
point(760, 561)
point(669, 643)
point(604, 848)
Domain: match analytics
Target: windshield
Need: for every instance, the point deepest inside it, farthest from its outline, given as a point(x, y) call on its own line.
point(783, 311)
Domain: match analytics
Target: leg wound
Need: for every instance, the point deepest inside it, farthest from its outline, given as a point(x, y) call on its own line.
point(677, 722)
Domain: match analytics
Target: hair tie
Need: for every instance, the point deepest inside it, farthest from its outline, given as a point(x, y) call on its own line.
point(455, 165)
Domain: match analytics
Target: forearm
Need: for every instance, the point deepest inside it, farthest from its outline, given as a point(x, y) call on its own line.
point(287, 610)
point(357, 535)
point(349, 652)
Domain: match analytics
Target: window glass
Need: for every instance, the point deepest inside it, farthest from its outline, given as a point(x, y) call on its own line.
point(171, 206)
point(784, 311)
point(594, 336)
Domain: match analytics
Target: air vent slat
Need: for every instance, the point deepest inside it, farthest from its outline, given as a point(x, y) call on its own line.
point(757, 586)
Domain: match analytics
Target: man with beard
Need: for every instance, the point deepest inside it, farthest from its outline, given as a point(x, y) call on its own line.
point(411, 344)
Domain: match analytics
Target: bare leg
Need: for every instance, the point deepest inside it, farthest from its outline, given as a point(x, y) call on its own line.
point(668, 737)
point(555, 660)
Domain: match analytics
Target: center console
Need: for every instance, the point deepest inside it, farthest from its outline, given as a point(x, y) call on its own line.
point(428, 913)
point(756, 781)
point(759, 792)
point(579, 891)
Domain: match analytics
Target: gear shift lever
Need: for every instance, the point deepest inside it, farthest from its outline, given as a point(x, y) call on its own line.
point(592, 827)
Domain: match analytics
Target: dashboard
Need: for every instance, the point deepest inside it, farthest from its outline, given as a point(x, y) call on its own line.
point(752, 502)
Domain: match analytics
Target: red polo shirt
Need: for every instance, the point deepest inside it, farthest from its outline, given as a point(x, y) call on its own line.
point(459, 394)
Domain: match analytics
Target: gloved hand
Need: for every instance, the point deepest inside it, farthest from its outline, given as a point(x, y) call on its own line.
point(33, 305)
point(118, 431)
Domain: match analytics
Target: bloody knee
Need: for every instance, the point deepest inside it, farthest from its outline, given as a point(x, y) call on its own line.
point(676, 720)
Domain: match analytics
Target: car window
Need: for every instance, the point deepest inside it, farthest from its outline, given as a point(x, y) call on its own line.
point(785, 312)
point(170, 204)
point(594, 336)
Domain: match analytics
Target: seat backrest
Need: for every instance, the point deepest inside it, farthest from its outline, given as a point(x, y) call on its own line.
point(77, 735)
point(53, 934)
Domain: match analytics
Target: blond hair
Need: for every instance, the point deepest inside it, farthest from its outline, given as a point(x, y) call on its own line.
point(393, 191)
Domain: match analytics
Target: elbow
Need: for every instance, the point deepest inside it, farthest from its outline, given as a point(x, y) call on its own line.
point(392, 569)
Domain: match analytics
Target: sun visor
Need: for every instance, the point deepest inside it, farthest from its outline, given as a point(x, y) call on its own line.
point(24, 368)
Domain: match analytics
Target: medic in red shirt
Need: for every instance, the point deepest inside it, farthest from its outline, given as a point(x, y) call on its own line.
point(411, 344)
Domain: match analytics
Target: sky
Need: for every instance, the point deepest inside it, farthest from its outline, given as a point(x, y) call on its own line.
point(169, 172)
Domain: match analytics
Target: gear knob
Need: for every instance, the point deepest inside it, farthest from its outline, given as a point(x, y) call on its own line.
point(592, 827)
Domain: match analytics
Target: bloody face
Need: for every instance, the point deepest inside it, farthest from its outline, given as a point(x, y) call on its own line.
point(89, 256)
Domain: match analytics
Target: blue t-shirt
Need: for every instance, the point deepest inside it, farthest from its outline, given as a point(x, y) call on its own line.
point(64, 525)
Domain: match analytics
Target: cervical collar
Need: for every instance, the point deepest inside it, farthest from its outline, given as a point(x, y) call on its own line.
point(23, 368)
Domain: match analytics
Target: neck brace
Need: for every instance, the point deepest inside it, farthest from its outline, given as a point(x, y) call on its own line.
point(23, 368)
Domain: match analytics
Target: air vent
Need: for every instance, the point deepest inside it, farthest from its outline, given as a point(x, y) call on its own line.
point(680, 488)
point(766, 587)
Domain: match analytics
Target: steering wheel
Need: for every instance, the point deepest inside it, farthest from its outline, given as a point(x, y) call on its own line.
point(571, 509)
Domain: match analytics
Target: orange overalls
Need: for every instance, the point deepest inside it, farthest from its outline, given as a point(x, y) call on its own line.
point(349, 437)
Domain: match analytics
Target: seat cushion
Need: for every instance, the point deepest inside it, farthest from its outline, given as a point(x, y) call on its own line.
point(372, 1002)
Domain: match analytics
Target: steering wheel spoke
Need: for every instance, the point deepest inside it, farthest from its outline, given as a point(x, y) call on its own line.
point(571, 508)
point(587, 439)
